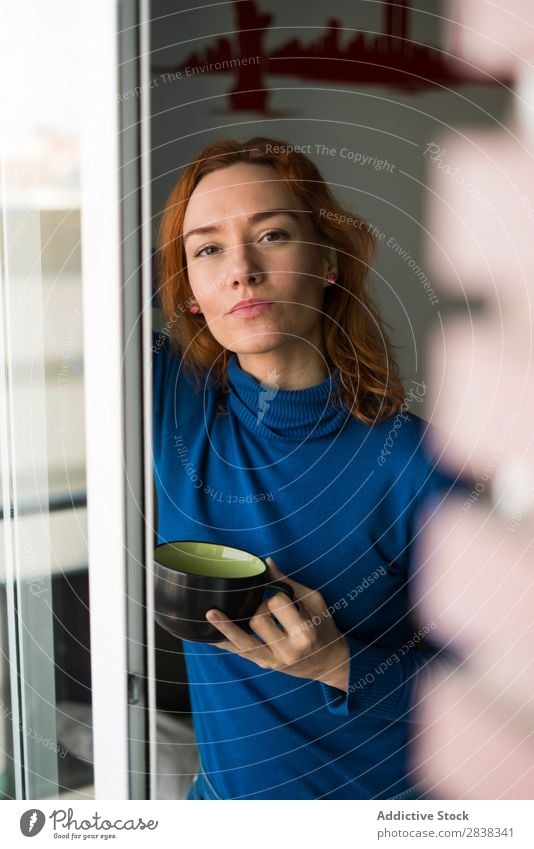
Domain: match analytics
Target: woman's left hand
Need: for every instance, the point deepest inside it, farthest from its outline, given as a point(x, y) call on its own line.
point(304, 649)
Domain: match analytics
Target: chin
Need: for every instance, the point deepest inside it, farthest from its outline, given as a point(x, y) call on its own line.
point(261, 344)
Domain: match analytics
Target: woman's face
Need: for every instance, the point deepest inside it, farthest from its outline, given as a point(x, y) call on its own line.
point(253, 250)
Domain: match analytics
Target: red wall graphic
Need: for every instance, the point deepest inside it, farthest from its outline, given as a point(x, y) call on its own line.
point(390, 58)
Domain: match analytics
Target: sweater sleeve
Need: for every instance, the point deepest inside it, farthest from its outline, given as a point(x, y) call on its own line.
point(383, 680)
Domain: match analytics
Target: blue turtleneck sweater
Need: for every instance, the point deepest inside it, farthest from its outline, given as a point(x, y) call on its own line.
point(336, 504)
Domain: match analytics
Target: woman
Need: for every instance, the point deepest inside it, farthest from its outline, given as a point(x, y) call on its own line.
point(282, 428)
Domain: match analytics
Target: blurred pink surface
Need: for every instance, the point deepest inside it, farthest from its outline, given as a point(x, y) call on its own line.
point(480, 214)
point(475, 581)
point(469, 750)
point(496, 36)
point(481, 394)
point(474, 576)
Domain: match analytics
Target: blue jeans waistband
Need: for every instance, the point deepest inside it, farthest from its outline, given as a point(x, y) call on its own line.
point(413, 792)
point(202, 788)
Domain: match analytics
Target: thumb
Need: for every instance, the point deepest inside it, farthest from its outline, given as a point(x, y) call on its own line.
point(275, 572)
point(273, 568)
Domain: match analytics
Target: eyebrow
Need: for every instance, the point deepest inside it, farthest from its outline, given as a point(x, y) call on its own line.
point(256, 216)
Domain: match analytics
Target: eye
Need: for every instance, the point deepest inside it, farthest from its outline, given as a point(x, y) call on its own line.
point(201, 251)
point(281, 233)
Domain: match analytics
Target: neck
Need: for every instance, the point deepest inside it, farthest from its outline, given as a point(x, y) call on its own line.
point(294, 365)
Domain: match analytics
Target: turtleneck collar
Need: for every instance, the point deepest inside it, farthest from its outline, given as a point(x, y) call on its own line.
point(292, 414)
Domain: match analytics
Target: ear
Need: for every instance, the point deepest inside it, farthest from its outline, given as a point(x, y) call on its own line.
point(330, 264)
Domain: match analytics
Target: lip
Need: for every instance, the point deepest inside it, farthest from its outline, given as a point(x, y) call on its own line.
point(250, 308)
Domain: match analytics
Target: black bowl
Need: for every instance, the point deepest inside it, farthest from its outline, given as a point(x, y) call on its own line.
point(190, 577)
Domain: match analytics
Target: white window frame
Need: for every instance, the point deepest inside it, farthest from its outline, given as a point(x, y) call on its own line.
point(118, 447)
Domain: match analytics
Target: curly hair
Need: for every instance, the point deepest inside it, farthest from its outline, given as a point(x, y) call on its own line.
point(354, 335)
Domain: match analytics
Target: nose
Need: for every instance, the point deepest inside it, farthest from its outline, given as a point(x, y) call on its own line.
point(243, 266)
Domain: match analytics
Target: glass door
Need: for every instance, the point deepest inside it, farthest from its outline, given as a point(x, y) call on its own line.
point(45, 678)
point(73, 509)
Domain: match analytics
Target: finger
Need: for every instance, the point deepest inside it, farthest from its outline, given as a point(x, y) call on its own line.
point(301, 591)
point(276, 575)
point(286, 613)
point(263, 624)
point(272, 565)
point(224, 644)
point(243, 642)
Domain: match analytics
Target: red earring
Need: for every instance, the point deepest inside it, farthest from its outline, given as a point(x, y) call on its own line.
point(331, 278)
point(194, 309)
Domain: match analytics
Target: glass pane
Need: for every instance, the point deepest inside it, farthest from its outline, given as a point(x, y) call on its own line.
point(46, 752)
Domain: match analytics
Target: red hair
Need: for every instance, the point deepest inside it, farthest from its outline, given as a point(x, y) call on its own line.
point(354, 336)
